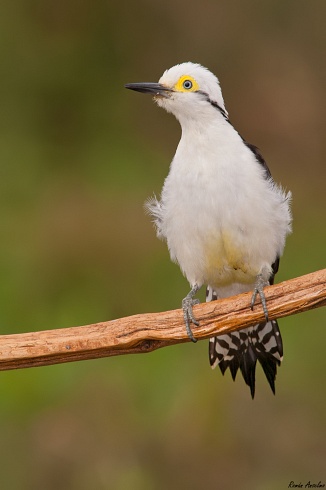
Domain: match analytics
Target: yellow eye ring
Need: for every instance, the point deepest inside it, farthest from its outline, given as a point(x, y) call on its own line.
point(186, 83)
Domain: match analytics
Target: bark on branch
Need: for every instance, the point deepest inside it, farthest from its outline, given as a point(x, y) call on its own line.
point(147, 332)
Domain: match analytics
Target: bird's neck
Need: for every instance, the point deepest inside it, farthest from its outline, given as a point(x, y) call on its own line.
point(208, 130)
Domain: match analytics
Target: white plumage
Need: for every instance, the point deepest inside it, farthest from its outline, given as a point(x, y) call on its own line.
point(223, 217)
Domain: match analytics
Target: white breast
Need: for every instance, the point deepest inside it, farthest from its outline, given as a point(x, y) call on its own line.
point(223, 221)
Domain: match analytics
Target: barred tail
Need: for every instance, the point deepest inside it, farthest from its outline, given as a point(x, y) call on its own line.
point(242, 348)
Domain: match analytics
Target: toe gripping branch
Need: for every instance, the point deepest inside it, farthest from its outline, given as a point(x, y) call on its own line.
point(187, 303)
point(259, 289)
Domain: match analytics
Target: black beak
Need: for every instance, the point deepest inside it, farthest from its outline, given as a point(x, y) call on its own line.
point(149, 88)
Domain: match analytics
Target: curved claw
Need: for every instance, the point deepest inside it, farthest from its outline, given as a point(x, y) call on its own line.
point(259, 289)
point(187, 303)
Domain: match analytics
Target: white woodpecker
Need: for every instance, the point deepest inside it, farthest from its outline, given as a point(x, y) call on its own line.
point(223, 217)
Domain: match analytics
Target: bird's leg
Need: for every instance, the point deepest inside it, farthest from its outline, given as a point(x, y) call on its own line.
point(187, 303)
point(260, 283)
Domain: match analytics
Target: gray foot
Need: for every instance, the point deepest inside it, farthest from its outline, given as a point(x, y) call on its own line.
point(259, 289)
point(187, 303)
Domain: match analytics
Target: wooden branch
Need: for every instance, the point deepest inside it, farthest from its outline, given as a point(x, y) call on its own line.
point(150, 331)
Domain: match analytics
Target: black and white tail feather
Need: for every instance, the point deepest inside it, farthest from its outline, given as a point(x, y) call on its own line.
point(242, 348)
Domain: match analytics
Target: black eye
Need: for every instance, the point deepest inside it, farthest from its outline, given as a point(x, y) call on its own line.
point(187, 84)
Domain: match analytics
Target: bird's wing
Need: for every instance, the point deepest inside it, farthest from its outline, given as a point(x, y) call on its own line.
point(260, 159)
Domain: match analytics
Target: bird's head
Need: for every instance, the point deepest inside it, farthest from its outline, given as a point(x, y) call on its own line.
point(187, 90)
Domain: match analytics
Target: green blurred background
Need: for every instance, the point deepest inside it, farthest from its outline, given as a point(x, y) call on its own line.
point(79, 156)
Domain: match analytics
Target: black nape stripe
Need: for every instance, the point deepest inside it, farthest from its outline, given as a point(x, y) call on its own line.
point(222, 111)
point(214, 104)
point(251, 147)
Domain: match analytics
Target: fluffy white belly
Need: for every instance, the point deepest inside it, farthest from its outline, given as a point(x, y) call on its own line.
point(222, 219)
point(217, 257)
point(219, 238)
